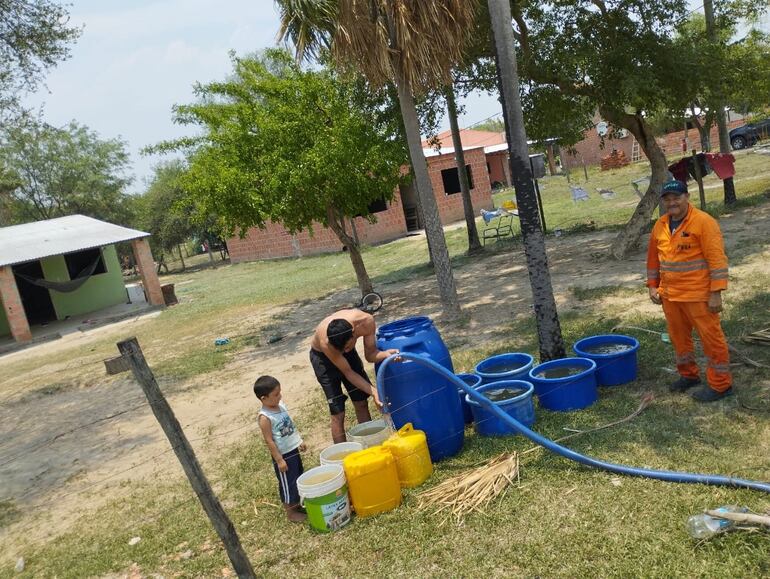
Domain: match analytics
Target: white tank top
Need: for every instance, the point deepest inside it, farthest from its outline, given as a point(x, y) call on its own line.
point(285, 434)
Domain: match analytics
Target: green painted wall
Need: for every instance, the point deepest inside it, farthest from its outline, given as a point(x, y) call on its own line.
point(100, 291)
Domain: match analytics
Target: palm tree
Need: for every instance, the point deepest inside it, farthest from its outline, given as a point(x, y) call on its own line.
point(412, 43)
point(546, 315)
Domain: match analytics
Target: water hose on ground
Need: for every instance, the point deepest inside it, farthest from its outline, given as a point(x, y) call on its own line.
point(664, 475)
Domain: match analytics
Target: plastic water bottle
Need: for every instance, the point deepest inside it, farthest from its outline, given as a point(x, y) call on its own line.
point(703, 526)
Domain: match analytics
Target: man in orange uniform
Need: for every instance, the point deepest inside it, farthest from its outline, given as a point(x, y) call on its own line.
point(686, 273)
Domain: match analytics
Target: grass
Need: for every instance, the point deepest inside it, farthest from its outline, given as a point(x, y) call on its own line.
point(563, 521)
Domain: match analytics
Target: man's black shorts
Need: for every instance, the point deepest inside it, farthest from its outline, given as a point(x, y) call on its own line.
point(331, 379)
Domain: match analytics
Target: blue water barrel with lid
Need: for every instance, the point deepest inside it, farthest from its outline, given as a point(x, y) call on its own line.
point(414, 393)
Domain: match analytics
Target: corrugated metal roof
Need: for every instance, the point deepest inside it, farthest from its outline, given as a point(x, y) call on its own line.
point(31, 241)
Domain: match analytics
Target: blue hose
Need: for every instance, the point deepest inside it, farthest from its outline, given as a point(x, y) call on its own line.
point(665, 475)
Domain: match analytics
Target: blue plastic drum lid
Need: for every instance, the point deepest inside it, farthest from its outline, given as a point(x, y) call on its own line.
point(521, 408)
point(474, 381)
point(511, 366)
point(414, 393)
point(571, 392)
point(612, 368)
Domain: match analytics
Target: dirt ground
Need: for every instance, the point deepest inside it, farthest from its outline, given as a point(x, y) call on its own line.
point(53, 481)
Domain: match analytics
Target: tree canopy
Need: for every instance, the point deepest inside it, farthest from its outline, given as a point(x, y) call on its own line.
point(34, 36)
point(48, 172)
point(288, 145)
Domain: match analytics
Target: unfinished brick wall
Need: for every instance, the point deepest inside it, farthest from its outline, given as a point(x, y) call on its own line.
point(589, 149)
point(274, 241)
point(14, 310)
point(450, 207)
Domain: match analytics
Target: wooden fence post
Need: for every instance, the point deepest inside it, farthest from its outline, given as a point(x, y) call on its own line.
point(133, 354)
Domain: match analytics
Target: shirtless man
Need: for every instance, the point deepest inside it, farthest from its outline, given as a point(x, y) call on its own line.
point(336, 362)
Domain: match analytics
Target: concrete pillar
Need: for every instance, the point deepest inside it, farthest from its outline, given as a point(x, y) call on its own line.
point(14, 310)
point(146, 265)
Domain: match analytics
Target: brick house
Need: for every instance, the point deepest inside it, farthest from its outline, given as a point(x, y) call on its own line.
point(590, 150)
point(394, 219)
point(57, 268)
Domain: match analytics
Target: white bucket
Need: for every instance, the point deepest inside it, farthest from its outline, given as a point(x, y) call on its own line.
point(370, 433)
point(335, 453)
point(324, 493)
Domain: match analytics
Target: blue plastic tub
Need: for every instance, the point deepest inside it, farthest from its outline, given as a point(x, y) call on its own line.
point(512, 366)
point(571, 392)
point(521, 407)
point(415, 393)
point(474, 381)
point(612, 368)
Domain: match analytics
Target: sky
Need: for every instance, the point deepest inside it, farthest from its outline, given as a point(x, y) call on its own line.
point(137, 58)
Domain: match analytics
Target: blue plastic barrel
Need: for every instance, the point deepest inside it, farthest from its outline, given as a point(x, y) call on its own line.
point(414, 393)
point(520, 407)
point(570, 392)
point(472, 380)
point(513, 366)
point(612, 368)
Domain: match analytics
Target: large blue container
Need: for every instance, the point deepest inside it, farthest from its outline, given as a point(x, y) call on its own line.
point(472, 380)
point(611, 368)
point(520, 407)
point(512, 366)
point(414, 393)
point(567, 393)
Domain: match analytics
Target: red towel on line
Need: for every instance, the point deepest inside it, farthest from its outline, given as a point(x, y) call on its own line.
point(722, 164)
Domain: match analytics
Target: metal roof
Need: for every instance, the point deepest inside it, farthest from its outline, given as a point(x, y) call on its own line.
point(31, 241)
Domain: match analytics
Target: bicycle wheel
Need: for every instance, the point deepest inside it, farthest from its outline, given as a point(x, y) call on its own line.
point(371, 302)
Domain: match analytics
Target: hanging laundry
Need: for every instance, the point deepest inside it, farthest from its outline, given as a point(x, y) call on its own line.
point(679, 170)
point(723, 165)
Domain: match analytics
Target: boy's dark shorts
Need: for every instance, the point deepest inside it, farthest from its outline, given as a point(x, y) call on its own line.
point(331, 379)
point(287, 481)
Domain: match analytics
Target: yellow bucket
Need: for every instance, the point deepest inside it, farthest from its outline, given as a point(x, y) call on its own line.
point(372, 481)
point(410, 449)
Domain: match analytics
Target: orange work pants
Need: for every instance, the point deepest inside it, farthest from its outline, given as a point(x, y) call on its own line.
point(682, 317)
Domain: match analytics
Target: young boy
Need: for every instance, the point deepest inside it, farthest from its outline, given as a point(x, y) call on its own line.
point(284, 443)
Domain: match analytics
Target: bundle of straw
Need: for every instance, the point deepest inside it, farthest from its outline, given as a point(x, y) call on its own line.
point(471, 491)
point(761, 337)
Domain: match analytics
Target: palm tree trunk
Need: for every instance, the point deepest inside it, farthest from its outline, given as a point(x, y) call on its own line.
point(633, 231)
point(546, 315)
point(354, 251)
point(474, 245)
point(433, 230)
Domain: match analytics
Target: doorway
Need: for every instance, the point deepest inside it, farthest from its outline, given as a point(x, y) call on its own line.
point(36, 300)
point(409, 204)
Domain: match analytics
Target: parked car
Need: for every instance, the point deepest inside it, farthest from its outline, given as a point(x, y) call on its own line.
point(748, 135)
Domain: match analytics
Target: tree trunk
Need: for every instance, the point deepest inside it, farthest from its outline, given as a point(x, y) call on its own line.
point(551, 159)
point(354, 251)
point(474, 245)
point(704, 131)
point(628, 238)
point(718, 103)
point(433, 229)
point(211, 254)
point(546, 315)
point(179, 247)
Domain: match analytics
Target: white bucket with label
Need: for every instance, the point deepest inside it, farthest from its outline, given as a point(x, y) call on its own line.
point(370, 433)
point(336, 453)
point(324, 494)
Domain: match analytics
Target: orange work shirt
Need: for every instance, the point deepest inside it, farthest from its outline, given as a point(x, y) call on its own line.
point(689, 264)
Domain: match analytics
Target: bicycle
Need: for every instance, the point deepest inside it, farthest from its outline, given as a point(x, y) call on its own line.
point(370, 303)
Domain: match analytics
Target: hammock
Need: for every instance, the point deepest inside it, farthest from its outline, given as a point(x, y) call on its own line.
point(63, 286)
